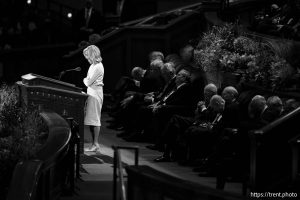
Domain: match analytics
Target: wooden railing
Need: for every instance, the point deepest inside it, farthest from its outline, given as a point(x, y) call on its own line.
point(45, 176)
point(147, 183)
point(273, 154)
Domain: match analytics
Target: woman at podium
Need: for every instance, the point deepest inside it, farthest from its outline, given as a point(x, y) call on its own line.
point(94, 83)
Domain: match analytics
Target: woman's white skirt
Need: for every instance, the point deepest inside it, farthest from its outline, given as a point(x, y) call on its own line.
point(93, 106)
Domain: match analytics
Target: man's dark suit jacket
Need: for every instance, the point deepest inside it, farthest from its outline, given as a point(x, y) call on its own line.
point(152, 81)
point(180, 97)
point(231, 115)
point(180, 102)
point(167, 88)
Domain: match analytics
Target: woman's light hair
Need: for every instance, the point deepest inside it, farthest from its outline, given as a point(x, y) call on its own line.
point(93, 54)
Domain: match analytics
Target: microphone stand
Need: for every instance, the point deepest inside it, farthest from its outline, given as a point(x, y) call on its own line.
point(63, 72)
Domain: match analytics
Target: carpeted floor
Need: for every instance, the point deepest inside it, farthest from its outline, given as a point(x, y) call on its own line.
point(97, 168)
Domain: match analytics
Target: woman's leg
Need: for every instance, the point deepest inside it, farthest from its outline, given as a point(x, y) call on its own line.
point(96, 133)
point(92, 133)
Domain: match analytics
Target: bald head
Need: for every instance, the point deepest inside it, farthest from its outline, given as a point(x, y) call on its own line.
point(186, 53)
point(209, 91)
point(217, 103)
point(229, 94)
point(137, 73)
point(168, 71)
point(156, 64)
point(257, 105)
point(274, 103)
point(156, 55)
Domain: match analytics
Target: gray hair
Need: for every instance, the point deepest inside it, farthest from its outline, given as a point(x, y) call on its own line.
point(217, 103)
point(169, 69)
point(137, 73)
point(229, 93)
point(274, 101)
point(157, 63)
point(257, 105)
point(209, 90)
point(156, 55)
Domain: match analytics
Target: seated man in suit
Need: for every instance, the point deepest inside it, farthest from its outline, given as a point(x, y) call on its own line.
point(126, 84)
point(237, 147)
point(256, 108)
point(200, 138)
point(149, 80)
point(223, 144)
point(168, 73)
point(180, 95)
point(290, 105)
point(178, 124)
point(274, 109)
point(176, 60)
point(169, 76)
point(231, 112)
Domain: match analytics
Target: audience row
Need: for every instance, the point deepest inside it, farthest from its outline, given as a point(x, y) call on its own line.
point(171, 105)
point(280, 20)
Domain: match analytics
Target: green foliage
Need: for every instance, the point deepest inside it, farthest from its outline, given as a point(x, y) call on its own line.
point(20, 133)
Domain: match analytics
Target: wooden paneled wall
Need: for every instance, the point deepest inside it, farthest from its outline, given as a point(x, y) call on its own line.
point(129, 46)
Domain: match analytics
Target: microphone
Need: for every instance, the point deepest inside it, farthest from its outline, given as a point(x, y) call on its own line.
point(78, 69)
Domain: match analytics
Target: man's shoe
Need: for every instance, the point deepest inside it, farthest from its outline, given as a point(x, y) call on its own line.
point(162, 158)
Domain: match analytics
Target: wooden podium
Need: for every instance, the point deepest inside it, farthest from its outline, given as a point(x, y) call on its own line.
point(49, 94)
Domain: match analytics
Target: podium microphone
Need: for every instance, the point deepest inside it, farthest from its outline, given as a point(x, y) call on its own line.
point(78, 69)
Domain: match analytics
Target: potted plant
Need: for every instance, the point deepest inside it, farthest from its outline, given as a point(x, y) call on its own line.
point(214, 44)
point(227, 58)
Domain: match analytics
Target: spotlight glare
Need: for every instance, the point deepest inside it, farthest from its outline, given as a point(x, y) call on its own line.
point(28, 1)
point(69, 15)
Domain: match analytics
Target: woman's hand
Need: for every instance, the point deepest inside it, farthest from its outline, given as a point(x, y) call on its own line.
point(85, 81)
